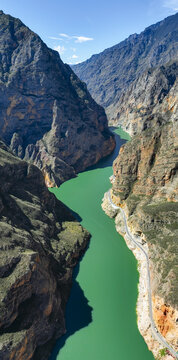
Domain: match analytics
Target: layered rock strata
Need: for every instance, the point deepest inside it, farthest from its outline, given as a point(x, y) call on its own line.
point(47, 115)
point(40, 243)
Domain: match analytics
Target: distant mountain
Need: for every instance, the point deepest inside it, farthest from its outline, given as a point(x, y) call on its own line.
point(47, 115)
point(109, 74)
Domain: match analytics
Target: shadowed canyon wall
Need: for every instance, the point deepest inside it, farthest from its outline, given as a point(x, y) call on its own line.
point(40, 243)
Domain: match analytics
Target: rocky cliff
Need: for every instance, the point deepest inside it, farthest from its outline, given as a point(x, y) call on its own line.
point(40, 242)
point(146, 186)
point(149, 101)
point(47, 115)
point(109, 74)
point(136, 82)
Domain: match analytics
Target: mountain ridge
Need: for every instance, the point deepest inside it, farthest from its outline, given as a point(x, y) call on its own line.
point(37, 90)
point(109, 73)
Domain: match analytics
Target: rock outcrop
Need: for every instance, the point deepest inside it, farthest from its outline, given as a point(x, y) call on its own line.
point(149, 101)
point(109, 74)
point(46, 113)
point(40, 243)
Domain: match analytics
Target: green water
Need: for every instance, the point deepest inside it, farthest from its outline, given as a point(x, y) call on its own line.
point(100, 316)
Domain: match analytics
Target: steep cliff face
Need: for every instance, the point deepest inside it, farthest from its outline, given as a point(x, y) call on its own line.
point(109, 74)
point(46, 112)
point(40, 243)
point(149, 101)
point(146, 185)
point(136, 82)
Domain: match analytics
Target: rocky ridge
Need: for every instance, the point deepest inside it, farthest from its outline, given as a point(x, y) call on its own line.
point(40, 243)
point(47, 116)
point(109, 74)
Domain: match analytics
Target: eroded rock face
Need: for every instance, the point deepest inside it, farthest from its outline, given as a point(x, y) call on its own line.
point(147, 182)
point(164, 315)
point(146, 185)
point(40, 242)
point(150, 100)
point(46, 112)
point(109, 74)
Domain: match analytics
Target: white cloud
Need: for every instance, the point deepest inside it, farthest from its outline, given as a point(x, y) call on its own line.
point(78, 39)
point(81, 39)
point(171, 4)
point(60, 49)
point(74, 62)
point(74, 56)
point(54, 38)
point(65, 36)
point(73, 49)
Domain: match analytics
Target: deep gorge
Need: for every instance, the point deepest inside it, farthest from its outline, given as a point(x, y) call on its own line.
point(107, 276)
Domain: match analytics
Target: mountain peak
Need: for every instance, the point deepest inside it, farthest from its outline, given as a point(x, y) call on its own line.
point(34, 78)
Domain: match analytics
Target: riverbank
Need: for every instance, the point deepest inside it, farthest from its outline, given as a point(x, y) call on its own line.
point(142, 308)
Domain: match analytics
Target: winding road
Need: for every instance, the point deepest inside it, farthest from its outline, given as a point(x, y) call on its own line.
point(155, 331)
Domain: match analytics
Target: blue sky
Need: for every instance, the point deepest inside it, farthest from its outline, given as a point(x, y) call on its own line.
point(81, 28)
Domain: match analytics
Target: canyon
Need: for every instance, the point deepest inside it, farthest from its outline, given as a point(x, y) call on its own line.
point(137, 84)
point(51, 129)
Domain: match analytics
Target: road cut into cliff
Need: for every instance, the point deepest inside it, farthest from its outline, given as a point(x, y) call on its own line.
point(146, 324)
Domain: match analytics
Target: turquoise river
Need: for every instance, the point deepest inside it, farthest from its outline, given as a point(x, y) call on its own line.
point(101, 312)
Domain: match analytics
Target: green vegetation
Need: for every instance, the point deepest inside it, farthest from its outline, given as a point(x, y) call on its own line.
point(161, 231)
point(169, 265)
point(160, 208)
point(173, 226)
point(132, 202)
point(162, 353)
point(121, 194)
point(151, 236)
